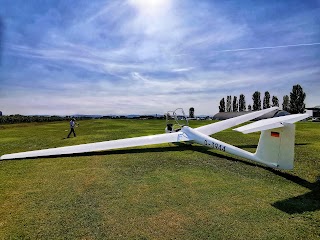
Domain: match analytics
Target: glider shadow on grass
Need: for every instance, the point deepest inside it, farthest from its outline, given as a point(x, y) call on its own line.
point(296, 205)
point(307, 202)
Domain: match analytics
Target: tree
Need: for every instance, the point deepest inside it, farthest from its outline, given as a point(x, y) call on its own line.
point(285, 104)
point(228, 103)
point(242, 103)
point(266, 100)
point(235, 104)
point(222, 107)
point(275, 101)
point(191, 112)
point(256, 101)
point(249, 107)
point(297, 97)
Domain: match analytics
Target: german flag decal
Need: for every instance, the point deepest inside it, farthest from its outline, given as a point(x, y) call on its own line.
point(275, 134)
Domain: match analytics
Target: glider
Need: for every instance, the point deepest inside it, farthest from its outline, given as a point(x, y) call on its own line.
point(275, 148)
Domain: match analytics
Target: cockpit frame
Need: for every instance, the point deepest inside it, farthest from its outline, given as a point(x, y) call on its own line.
point(175, 120)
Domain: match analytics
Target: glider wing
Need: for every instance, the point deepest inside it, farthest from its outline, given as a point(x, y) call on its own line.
point(222, 125)
point(271, 123)
point(101, 146)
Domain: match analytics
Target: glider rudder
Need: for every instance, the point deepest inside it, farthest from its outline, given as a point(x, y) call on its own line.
point(277, 146)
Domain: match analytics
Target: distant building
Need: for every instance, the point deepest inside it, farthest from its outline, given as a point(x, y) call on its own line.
point(272, 114)
point(315, 111)
point(0, 113)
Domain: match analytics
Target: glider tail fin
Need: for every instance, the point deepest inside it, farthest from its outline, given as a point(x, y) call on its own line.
point(276, 146)
point(276, 143)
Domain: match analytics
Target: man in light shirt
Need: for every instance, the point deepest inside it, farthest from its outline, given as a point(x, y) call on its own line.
point(72, 126)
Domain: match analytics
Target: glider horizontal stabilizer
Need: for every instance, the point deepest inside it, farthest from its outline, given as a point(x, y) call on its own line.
point(271, 123)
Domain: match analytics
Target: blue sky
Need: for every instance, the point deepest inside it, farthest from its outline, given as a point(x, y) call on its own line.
point(150, 56)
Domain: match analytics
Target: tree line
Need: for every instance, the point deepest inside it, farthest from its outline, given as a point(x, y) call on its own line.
point(293, 104)
point(10, 119)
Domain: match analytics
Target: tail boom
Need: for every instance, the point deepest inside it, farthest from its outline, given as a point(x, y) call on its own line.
point(225, 147)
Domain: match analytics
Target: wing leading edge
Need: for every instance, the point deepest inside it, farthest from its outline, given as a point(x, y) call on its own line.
point(101, 146)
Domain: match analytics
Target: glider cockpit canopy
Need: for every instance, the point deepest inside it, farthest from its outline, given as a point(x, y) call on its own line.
point(175, 120)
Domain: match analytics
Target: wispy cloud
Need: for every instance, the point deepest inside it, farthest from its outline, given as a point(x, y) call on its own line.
point(182, 69)
point(146, 56)
point(273, 47)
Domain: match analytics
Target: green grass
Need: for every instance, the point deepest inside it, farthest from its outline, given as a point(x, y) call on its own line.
point(155, 192)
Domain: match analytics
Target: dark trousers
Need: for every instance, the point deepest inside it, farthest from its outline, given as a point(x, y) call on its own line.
point(72, 131)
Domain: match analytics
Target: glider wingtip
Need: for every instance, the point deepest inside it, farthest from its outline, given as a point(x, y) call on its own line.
point(5, 157)
point(240, 129)
point(273, 108)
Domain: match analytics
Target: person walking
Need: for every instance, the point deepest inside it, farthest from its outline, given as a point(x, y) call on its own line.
point(72, 126)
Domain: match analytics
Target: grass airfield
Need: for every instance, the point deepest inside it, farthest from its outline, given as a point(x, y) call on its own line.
point(162, 191)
